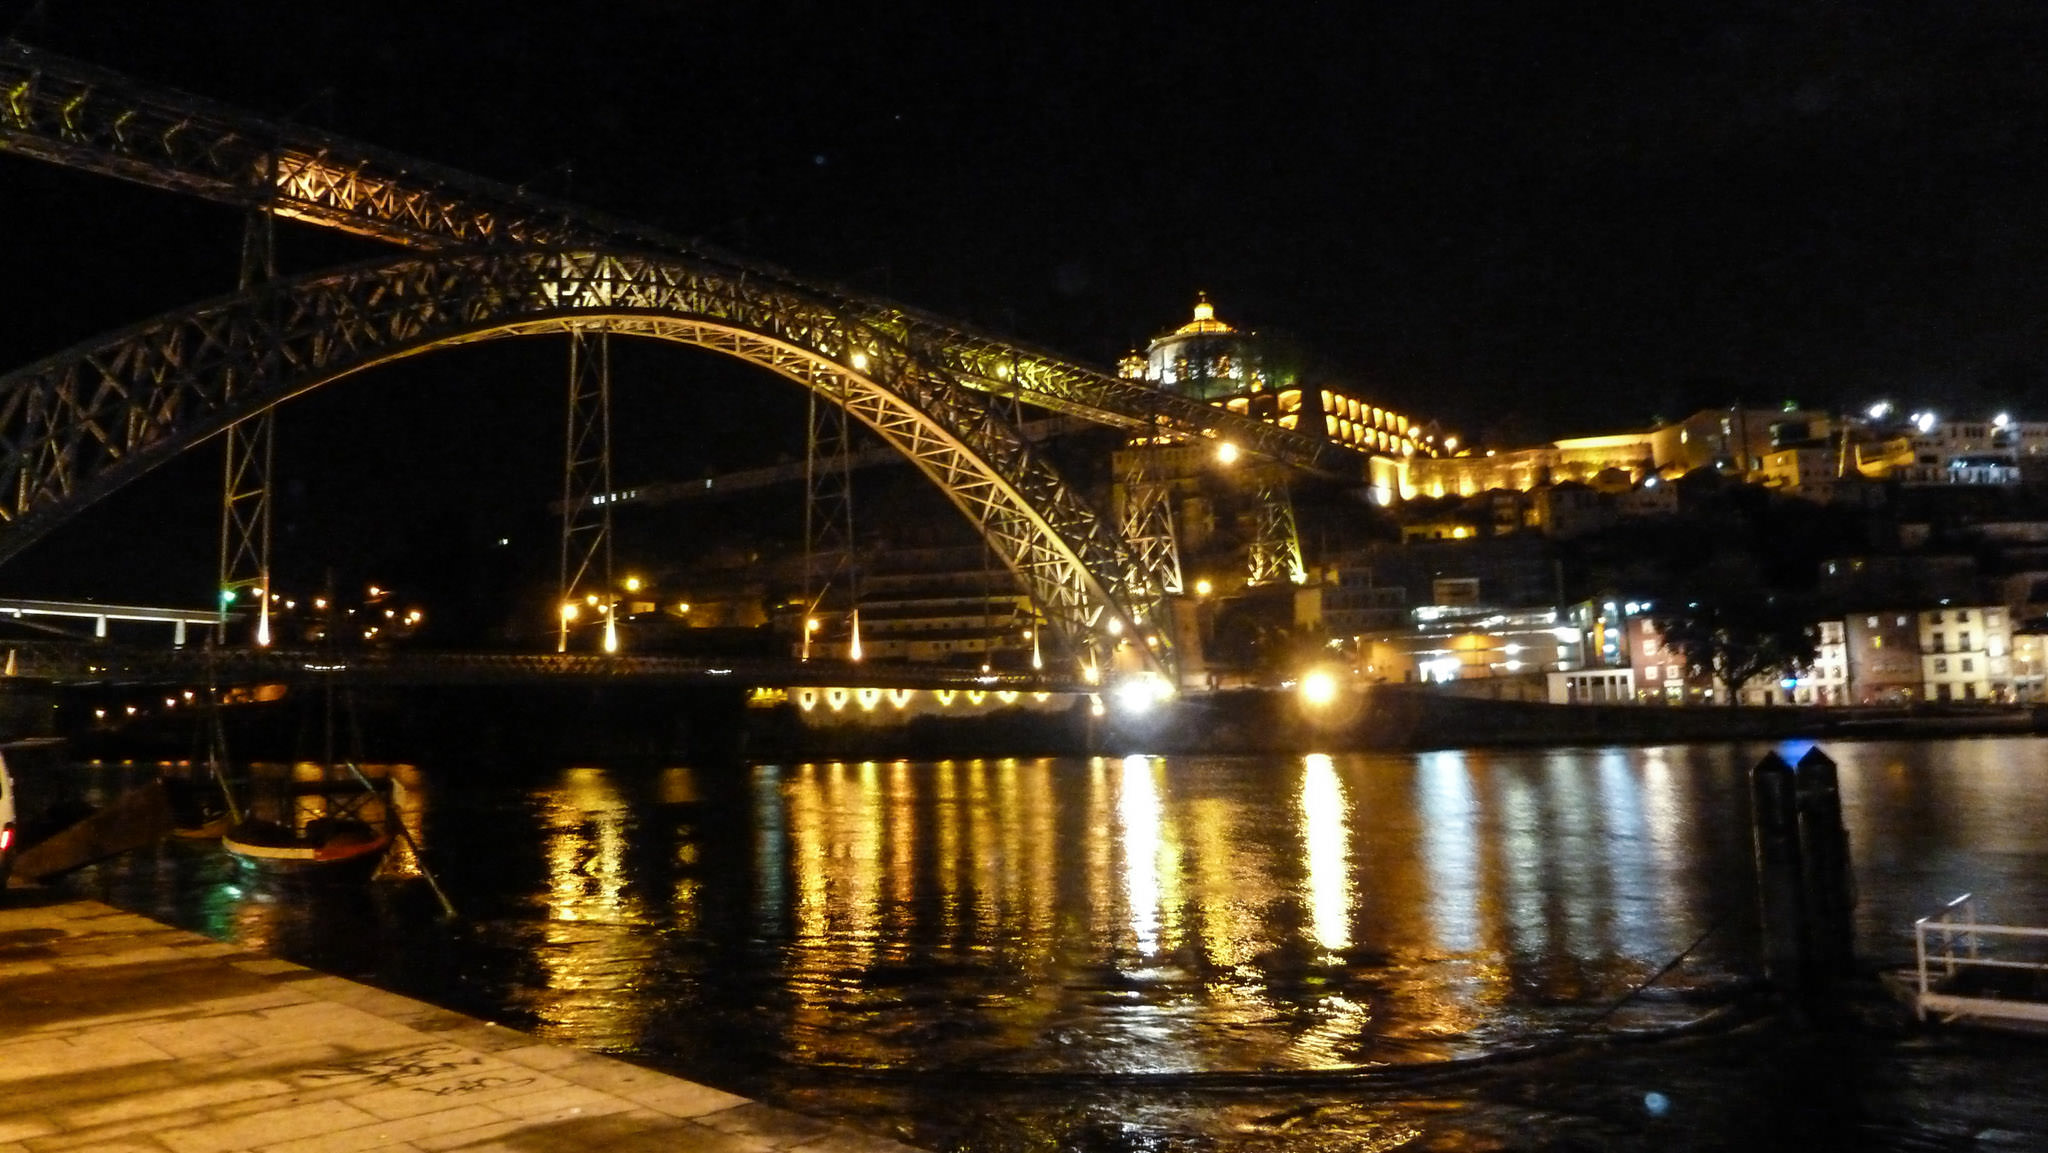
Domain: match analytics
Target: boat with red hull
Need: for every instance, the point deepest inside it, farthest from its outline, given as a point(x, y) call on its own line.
point(328, 851)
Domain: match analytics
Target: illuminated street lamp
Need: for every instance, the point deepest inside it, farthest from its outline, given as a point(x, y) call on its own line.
point(1318, 688)
point(1226, 453)
point(633, 584)
point(568, 613)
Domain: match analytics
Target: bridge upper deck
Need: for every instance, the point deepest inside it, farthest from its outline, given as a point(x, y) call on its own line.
point(72, 114)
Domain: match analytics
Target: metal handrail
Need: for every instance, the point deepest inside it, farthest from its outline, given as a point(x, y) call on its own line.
point(1948, 932)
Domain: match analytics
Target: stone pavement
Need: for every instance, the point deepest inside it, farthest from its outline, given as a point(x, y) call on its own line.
point(118, 1033)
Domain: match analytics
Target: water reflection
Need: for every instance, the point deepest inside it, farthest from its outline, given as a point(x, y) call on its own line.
point(588, 968)
point(1140, 820)
point(1141, 914)
point(1326, 836)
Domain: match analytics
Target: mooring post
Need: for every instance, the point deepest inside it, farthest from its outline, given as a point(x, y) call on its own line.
point(1774, 823)
point(1828, 884)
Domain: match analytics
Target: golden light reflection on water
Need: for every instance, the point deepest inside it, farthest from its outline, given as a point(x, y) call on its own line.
point(1139, 821)
point(592, 953)
point(1183, 913)
point(1326, 841)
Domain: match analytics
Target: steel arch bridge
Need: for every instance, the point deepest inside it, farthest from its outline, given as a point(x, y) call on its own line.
point(499, 262)
point(81, 424)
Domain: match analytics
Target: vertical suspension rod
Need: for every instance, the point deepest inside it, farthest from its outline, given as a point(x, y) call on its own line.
point(587, 485)
point(245, 515)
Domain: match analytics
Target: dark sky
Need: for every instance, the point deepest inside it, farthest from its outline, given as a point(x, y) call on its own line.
point(1541, 217)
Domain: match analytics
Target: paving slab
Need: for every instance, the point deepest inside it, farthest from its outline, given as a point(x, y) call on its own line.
point(120, 1033)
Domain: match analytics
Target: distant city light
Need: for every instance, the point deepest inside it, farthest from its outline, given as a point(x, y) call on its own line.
point(2002, 420)
point(1318, 688)
point(1880, 410)
point(1140, 692)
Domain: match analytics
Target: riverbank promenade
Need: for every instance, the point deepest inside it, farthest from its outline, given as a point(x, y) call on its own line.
point(120, 1033)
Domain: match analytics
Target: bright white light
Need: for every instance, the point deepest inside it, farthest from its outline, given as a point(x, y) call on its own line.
point(1880, 410)
point(1226, 453)
point(1204, 588)
point(1924, 421)
point(1134, 696)
point(1318, 688)
point(1139, 692)
point(2002, 420)
point(860, 362)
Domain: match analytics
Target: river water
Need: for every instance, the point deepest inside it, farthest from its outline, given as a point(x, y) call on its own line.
point(1372, 951)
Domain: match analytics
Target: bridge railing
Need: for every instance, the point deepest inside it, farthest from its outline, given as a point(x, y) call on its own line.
point(80, 664)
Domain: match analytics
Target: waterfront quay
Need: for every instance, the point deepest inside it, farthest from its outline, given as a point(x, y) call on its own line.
point(121, 1033)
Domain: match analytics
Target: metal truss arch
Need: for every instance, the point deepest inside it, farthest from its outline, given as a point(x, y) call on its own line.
point(79, 425)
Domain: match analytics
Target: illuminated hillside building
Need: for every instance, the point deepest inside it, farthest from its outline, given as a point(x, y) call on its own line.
point(1238, 370)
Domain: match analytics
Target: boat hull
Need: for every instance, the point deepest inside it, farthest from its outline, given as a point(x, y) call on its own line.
point(304, 863)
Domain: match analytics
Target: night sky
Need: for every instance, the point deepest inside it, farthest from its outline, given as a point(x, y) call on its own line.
point(1521, 219)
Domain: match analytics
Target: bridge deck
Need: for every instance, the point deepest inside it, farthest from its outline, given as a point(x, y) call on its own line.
point(116, 1031)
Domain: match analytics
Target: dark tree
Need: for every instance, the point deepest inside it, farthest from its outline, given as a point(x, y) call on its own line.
point(1733, 625)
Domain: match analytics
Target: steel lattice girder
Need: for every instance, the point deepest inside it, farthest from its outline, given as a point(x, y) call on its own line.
point(81, 424)
point(72, 114)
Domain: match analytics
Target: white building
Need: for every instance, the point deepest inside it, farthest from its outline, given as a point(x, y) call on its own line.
point(1966, 653)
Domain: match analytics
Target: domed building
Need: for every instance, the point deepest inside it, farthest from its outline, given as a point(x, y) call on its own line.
point(1210, 360)
point(1205, 358)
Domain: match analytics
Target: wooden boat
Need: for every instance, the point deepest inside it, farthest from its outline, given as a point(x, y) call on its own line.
point(329, 850)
